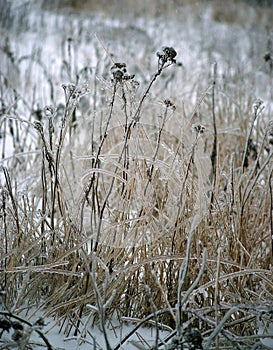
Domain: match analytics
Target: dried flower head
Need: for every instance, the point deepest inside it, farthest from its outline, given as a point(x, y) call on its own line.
point(69, 89)
point(169, 104)
point(73, 93)
point(119, 72)
point(257, 105)
point(170, 53)
point(38, 125)
point(198, 128)
point(167, 54)
point(50, 111)
point(80, 92)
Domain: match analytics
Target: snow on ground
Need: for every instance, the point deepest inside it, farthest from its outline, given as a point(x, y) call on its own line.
point(90, 337)
point(115, 334)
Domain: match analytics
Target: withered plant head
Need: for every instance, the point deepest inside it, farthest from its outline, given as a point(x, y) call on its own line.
point(198, 128)
point(119, 72)
point(68, 90)
point(50, 111)
point(73, 93)
point(166, 55)
point(38, 125)
point(169, 104)
point(258, 105)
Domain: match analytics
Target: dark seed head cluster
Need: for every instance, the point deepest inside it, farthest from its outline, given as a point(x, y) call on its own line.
point(119, 72)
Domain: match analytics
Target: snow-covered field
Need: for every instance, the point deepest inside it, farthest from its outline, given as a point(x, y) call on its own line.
point(42, 49)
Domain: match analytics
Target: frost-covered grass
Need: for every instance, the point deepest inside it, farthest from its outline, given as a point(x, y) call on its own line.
point(136, 176)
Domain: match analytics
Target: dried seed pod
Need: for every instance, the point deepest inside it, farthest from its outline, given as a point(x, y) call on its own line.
point(167, 54)
point(257, 104)
point(198, 128)
point(169, 104)
point(170, 53)
point(119, 72)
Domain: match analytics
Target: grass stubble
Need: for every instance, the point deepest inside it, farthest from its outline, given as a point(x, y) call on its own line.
point(138, 210)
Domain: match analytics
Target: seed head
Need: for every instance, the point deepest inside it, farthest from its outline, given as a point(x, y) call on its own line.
point(50, 111)
point(73, 93)
point(169, 104)
point(257, 105)
point(38, 126)
point(198, 128)
point(119, 72)
point(167, 54)
point(69, 88)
